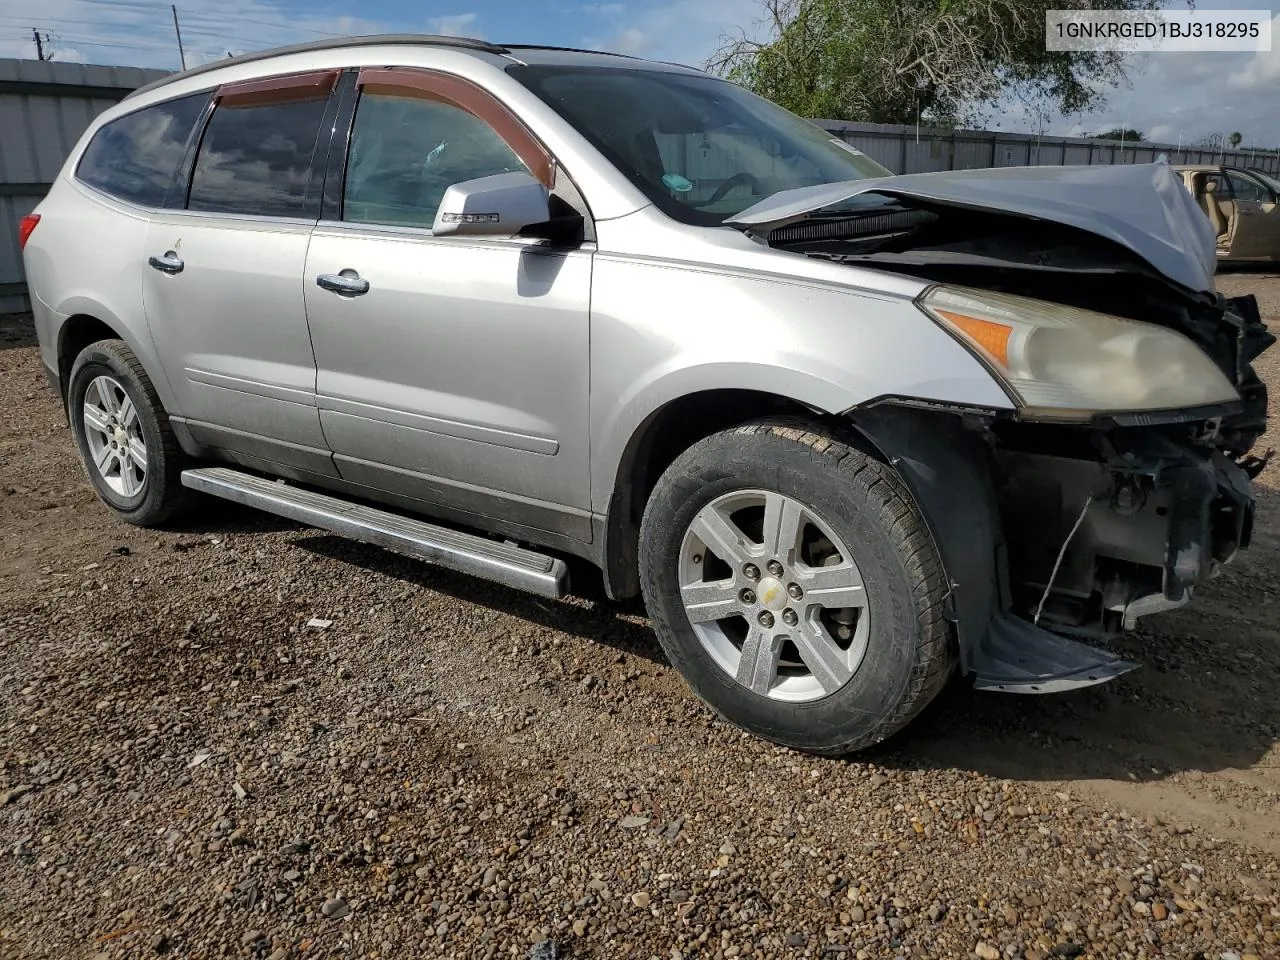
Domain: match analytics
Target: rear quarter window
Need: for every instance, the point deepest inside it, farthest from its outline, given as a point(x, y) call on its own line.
point(135, 157)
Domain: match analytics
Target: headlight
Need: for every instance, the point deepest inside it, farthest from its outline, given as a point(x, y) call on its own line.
point(1066, 363)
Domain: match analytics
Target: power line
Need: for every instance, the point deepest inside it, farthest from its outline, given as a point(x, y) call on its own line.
point(132, 17)
point(109, 31)
point(190, 14)
point(42, 19)
point(285, 26)
point(135, 4)
point(120, 46)
point(108, 35)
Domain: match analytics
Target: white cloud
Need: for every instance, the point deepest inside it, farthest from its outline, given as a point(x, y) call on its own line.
point(455, 25)
point(682, 32)
point(631, 41)
point(605, 9)
point(1262, 73)
point(1181, 95)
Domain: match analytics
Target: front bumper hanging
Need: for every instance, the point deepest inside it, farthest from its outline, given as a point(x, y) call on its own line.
point(1055, 541)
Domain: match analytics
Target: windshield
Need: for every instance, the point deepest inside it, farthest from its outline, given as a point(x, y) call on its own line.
point(701, 149)
point(1266, 178)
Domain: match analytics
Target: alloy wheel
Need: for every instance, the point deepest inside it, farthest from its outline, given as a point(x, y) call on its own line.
point(773, 595)
point(114, 434)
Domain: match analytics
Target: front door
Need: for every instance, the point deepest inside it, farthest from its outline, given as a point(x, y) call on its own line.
point(223, 287)
point(450, 370)
point(1257, 232)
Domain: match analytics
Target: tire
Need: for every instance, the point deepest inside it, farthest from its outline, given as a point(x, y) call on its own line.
point(900, 648)
point(146, 498)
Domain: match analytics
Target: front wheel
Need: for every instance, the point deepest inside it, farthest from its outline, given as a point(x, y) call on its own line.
point(794, 584)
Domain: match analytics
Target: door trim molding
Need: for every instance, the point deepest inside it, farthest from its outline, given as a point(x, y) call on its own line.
point(256, 388)
point(455, 429)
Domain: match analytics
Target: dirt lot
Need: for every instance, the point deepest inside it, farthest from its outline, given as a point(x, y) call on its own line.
point(454, 769)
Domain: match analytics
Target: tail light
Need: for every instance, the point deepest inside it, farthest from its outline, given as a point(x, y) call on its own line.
point(25, 227)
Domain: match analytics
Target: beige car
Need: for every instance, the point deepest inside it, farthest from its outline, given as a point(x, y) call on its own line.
point(1243, 207)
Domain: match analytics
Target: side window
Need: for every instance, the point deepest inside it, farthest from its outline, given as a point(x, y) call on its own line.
point(256, 158)
point(134, 158)
point(407, 150)
point(1246, 188)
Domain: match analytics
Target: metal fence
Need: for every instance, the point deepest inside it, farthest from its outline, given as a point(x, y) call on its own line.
point(906, 149)
point(44, 107)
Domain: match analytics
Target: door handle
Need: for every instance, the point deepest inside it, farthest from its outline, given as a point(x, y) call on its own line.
point(348, 283)
point(169, 263)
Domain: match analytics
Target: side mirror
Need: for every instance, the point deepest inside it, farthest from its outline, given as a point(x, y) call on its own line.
point(497, 206)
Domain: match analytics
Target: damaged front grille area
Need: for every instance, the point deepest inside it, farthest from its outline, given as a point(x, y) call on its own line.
point(1055, 535)
point(1105, 525)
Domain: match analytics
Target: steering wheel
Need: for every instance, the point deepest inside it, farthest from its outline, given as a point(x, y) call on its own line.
point(736, 180)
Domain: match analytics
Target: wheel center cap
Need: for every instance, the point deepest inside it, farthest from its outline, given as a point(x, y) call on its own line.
point(120, 436)
point(772, 594)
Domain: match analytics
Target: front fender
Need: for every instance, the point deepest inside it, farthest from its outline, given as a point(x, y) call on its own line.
point(663, 330)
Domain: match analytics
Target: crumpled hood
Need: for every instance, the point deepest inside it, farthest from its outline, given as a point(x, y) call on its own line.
point(1143, 207)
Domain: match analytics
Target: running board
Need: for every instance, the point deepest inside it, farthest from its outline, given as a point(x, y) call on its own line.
point(1016, 656)
point(481, 557)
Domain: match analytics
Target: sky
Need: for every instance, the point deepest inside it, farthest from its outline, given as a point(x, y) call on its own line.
point(1170, 95)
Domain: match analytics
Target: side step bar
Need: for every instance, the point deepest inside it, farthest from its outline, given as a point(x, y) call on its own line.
point(478, 556)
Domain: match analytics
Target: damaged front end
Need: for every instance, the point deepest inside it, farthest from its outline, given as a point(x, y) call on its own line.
point(1122, 481)
point(1057, 537)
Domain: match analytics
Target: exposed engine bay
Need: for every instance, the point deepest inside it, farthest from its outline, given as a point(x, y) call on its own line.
point(1104, 521)
point(1054, 262)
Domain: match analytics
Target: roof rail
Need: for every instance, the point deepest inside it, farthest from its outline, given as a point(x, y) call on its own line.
point(508, 47)
point(408, 39)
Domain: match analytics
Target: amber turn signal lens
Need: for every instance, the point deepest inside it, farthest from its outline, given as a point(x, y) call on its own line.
point(993, 338)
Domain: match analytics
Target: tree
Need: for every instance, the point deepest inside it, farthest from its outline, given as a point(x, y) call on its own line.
point(893, 61)
point(1235, 139)
point(1118, 133)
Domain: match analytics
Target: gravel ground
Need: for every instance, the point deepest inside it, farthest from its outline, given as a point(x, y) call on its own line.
point(243, 738)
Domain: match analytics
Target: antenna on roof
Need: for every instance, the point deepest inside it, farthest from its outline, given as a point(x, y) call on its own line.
point(182, 54)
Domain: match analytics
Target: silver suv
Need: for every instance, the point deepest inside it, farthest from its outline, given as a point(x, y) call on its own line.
point(845, 432)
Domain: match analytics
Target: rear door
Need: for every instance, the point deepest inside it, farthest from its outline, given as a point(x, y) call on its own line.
point(223, 282)
point(458, 376)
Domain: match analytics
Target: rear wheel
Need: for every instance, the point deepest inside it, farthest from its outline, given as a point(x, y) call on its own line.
point(123, 434)
point(792, 581)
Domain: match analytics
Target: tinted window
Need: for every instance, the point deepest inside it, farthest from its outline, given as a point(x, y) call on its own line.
point(1246, 188)
point(134, 158)
point(701, 149)
point(257, 159)
point(406, 151)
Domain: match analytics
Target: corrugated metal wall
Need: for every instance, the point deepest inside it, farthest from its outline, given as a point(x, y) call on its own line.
point(44, 107)
point(903, 149)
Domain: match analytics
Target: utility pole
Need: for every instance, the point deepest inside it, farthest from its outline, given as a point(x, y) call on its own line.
point(41, 39)
point(182, 55)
